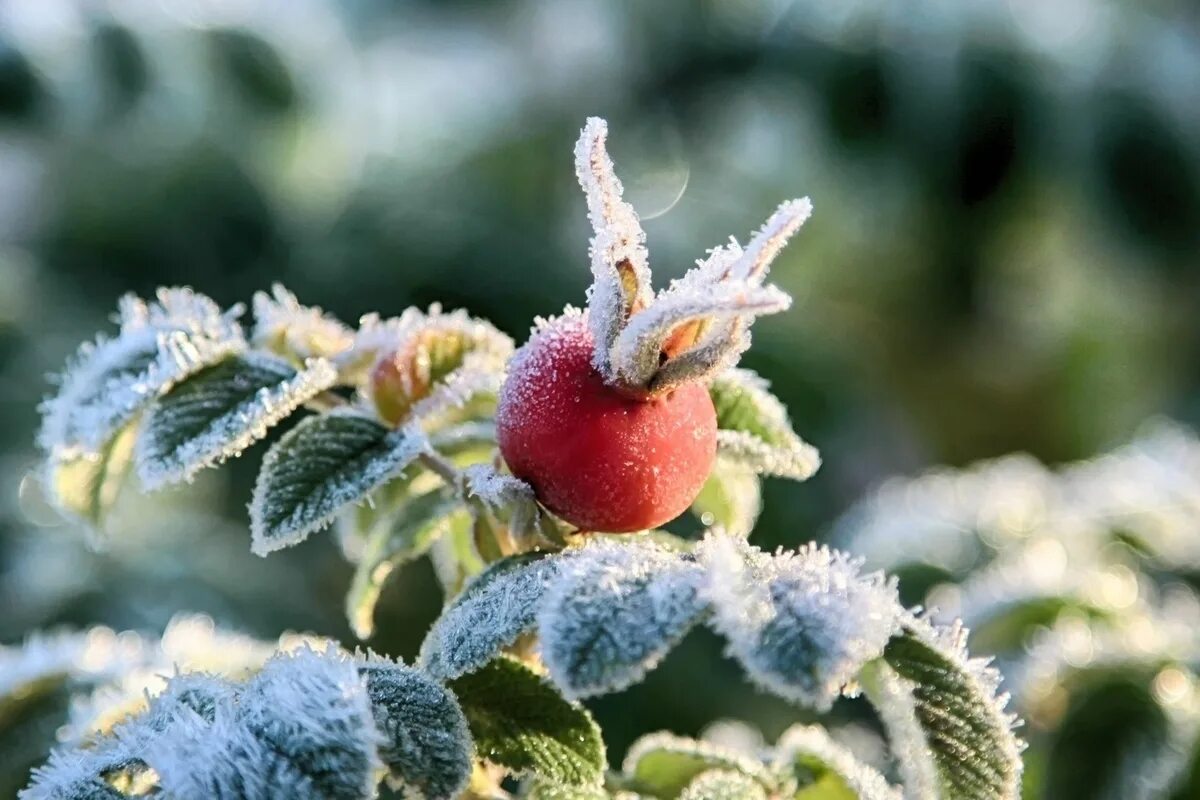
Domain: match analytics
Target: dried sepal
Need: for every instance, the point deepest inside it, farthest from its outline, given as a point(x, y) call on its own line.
point(638, 353)
point(298, 332)
point(620, 267)
point(699, 326)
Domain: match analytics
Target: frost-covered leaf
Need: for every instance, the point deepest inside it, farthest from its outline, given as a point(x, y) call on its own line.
point(427, 747)
point(312, 708)
point(220, 411)
point(945, 717)
point(320, 466)
point(614, 611)
point(490, 613)
point(620, 269)
point(433, 368)
point(397, 539)
point(544, 790)
point(110, 380)
point(730, 498)
point(200, 759)
point(802, 624)
point(825, 770)
point(297, 332)
point(662, 764)
point(85, 486)
point(75, 775)
point(753, 428)
point(722, 784)
point(519, 721)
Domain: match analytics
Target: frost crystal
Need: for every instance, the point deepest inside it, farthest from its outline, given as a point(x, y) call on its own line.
point(802, 624)
point(699, 326)
point(810, 746)
point(312, 709)
point(74, 775)
point(503, 492)
point(284, 326)
point(613, 612)
point(220, 412)
point(109, 380)
point(493, 609)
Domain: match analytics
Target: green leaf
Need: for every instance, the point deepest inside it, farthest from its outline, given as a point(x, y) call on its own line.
point(541, 790)
point(521, 722)
point(663, 764)
point(825, 770)
point(427, 747)
point(319, 467)
point(399, 538)
point(753, 428)
point(731, 498)
point(86, 487)
point(721, 784)
point(490, 613)
point(220, 411)
point(945, 716)
point(260, 77)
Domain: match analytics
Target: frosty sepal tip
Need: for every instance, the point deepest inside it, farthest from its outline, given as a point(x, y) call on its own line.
point(803, 624)
point(699, 326)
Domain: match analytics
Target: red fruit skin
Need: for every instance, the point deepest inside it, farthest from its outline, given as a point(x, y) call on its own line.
point(598, 458)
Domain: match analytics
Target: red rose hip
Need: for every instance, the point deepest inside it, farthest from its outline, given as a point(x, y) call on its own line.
point(597, 456)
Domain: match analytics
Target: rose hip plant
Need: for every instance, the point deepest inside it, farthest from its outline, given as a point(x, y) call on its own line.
point(537, 481)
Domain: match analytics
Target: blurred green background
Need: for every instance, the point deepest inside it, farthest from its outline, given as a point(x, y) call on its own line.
point(1005, 252)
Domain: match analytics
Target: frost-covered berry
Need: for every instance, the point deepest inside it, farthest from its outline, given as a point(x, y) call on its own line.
point(600, 457)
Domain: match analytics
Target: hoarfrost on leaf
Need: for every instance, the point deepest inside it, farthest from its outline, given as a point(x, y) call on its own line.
point(220, 411)
point(111, 379)
point(285, 327)
point(720, 784)
point(614, 611)
point(521, 722)
point(663, 764)
point(489, 614)
point(312, 709)
point(753, 428)
point(321, 466)
point(803, 624)
point(945, 715)
point(426, 747)
point(808, 749)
